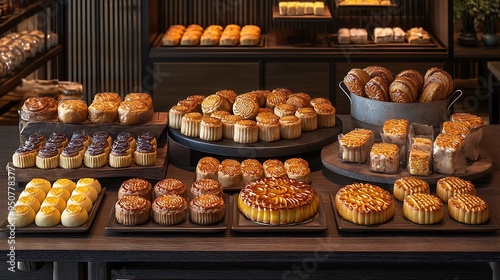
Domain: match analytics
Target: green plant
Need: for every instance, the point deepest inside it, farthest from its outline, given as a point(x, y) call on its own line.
point(488, 9)
point(463, 8)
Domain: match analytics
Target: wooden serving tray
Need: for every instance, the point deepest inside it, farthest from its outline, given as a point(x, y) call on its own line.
point(400, 224)
point(59, 228)
point(361, 171)
point(155, 172)
point(156, 126)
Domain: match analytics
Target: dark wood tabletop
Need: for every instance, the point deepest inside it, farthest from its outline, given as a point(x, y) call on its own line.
point(332, 245)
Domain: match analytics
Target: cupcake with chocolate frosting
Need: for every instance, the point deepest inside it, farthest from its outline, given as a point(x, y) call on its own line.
point(47, 157)
point(24, 157)
point(145, 154)
point(95, 156)
point(70, 158)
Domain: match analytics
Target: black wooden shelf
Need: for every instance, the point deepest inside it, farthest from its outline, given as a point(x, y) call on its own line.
point(22, 15)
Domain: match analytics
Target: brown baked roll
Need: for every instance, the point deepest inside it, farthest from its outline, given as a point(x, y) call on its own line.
point(134, 112)
point(355, 81)
point(103, 112)
point(144, 97)
point(379, 71)
point(246, 107)
point(210, 38)
point(108, 97)
point(433, 92)
point(72, 111)
point(377, 89)
point(191, 38)
point(402, 90)
point(415, 76)
point(39, 109)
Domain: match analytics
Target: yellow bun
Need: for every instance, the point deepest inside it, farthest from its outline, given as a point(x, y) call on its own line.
point(80, 200)
point(21, 216)
point(59, 192)
point(39, 183)
point(29, 201)
point(89, 182)
point(64, 183)
point(88, 191)
point(48, 216)
point(54, 201)
point(35, 192)
point(74, 216)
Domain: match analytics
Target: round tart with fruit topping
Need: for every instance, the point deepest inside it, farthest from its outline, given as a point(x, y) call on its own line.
point(278, 201)
point(364, 204)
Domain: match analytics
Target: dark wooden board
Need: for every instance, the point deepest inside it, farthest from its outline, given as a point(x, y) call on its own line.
point(151, 226)
point(156, 126)
point(59, 228)
point(260, 44)
point(156, 172)
point(400, 224)
point(242, 224)
point(327, 15)
point(331, 160)
point(309, 141)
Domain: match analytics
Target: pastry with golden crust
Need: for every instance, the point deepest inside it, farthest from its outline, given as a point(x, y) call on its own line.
point(308, 118)
point(448, 157)
point(175, 115)
point(448, 187)
point(320, 100)
point(108, 97)
point(103, 112)
point(136, 186)
point(39, 109)
point(326, 115)
point(377, 89)
point(379, 71)
point(251, 170)
point(230, 175)
point(48, 216)
point(275, 98)
point(403, 90)
point(134, 111)
point(74, 216)
point(207, 168)
point(415, 77)
point(364, 204)
point(228, 123)
point(384, 158)
point(269, 130)
point(206, 186)
point(30, 201)
point(169, 209)
point(210, 129)
point(423, 209)
point(283, 110)
point(299, 172)
point(207, 209)
point(169, 186)
point(228, 94)
point(144, 97)
point(246, 107)
point(132, 210)
point(21, 216)
point(355, 146)
point(355, 81)
point(438, 75)
point(70, 158)
point(278, 201)
point(290, 127)
point(24, 157)
point(468, 209)
point(47, 157)
point(246, 132)
point(215, 102)
point(409, 185)
point(190, 124)
point(72, 111)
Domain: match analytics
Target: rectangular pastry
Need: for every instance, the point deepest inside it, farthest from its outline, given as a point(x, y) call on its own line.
point(399, 35)
point(384, 158)
point(358, 35)
point(470, 139)
point(417, 35)
point(383, 35)
point(309, 8)
point(396, 131)
point(475, 124)
point(420, 156)
point(343, 36)
point(291, 9)
point(283, 8)
point(355, 146)
point(301, 8)
point(448, 156)
point(319, 8)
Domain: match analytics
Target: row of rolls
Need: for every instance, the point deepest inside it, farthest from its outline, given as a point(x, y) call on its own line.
point(194, 35)
point(259, 115)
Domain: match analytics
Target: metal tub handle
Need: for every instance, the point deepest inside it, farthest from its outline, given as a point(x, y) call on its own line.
point(341, 86)
point(454, 97)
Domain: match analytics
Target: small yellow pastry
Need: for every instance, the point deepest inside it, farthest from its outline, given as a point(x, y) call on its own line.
point(54, 201)
point(39, 183)
point(74, 216)
point(86, 190)
point(81, 200)
point(38, 194)
point(64, 183)
point(21, 216)
point(30, 201)
point(59, 192)
point(89, 182)
point(48, 216)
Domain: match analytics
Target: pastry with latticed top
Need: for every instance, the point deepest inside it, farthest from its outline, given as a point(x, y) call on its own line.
point(409, 185)
point(355, 146)
point(468, 209)
point(278, 201)
point(451, 186)
point(364, 204)
point(423, 208)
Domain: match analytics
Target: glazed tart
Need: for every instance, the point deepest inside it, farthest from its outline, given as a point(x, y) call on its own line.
point(132, 210)
point(169, 209)
point(364, 204)
point(278, 201)
point(169, 186)
point(409, 185)
point(74, 216)
point(468, 209)
point(450, 186)
point(423, 208)
point(207, 209)
point(136, 186)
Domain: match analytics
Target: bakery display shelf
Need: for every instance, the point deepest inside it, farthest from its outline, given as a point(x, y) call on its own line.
point(361, 171)
point(327, 15)
point(155, 172)
point(308, 142)
point(261, 44)
point(156, 126)
point(59, 228)
point(14, 78)
point(243, 224)
point(153, 227)
point(23, 14)
point(363, 6)
point(433, 45)
point(400, 224)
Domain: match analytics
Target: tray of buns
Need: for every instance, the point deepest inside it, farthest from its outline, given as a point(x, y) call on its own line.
point(151, 226)
point(331, 160)
point(59, 228)
point(243, 224)
point(302, 11)
point(400, 224)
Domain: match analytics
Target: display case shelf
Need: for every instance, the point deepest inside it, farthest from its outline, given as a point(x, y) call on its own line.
point(327, 15)
point(22, 15)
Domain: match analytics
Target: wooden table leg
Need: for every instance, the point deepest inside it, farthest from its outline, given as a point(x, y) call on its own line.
point(97, 270)
point(68, 270)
